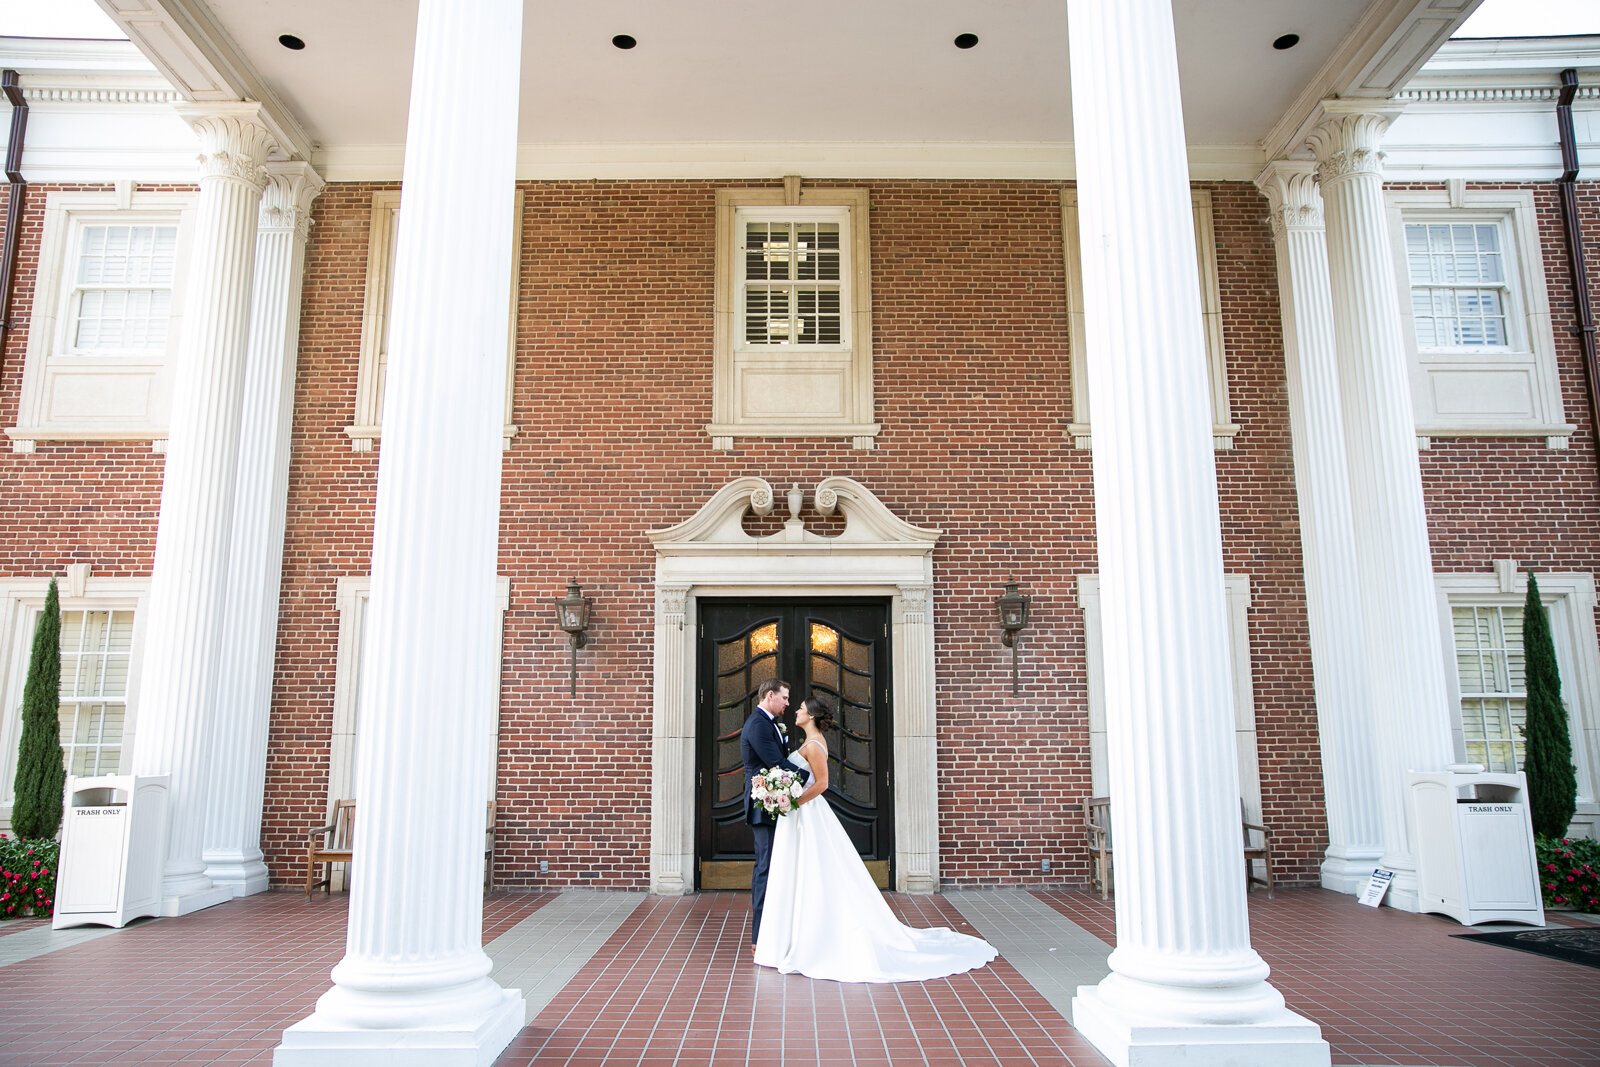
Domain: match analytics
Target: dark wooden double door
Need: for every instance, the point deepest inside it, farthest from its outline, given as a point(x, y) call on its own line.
point(839, 647)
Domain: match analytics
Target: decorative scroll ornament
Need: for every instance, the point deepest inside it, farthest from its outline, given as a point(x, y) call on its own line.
point(720, 522)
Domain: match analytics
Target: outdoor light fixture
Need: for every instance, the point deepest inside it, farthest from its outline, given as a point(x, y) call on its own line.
point(1013, 609)
point(572, 615)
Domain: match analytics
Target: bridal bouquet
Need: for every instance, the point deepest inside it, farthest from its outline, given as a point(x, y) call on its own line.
point(776, 789)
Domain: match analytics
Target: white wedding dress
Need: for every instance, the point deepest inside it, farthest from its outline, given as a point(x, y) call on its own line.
point(824, 916)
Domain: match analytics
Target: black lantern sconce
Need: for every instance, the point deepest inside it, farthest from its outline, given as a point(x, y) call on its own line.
point(572, 615)
point(1013, 609)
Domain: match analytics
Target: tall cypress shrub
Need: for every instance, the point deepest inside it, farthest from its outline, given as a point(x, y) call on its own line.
point(1552, 781)
point(41, 775)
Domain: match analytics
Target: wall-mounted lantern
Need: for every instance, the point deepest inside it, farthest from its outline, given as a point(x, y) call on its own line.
point(1013, 609)
point(572, 615)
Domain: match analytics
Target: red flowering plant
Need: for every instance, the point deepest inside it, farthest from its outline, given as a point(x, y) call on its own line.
point(27, 877)
point(1569, 872)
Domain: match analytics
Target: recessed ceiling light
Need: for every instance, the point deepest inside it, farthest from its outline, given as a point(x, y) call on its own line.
point(623, 41)
point(966, 40)
point(291, 42)
point(1288, 40)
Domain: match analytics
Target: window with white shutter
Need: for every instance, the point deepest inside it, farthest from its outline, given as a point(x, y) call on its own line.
point(1494, 691)
point(122, 294)
point(1480, 623)
point(103, 331)
point(95, 650)
point(1459, 293)
point(793, 339)
point(1476, 314)
point(100, 649)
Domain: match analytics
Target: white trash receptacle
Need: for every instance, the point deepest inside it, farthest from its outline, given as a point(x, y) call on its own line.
point(1475, 857)
point(113, 847)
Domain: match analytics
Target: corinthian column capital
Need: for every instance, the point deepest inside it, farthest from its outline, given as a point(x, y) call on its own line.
point(1290, 187)
point(286, 200)
point(234, 141)
point(1346, 142)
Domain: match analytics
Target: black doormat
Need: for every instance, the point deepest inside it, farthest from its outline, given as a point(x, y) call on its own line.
point(1576, 945)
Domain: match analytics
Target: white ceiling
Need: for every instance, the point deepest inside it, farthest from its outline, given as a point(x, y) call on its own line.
point(837, 71)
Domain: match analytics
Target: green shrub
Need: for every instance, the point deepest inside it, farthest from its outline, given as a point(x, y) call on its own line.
point(41, 773)
point(1569, 872)
point(27, 877)
point(1552, 781)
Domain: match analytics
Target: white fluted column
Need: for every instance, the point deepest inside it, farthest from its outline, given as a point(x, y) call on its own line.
point(188, 581)
point(414, 985)
point(232, 851)
point(1327, 537)
point(1410, 701)
point(1185, 984)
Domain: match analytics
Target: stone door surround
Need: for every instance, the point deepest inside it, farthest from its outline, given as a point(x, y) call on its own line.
point(711, 555)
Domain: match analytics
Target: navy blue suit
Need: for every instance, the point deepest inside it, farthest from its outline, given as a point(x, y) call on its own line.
point(762, 747)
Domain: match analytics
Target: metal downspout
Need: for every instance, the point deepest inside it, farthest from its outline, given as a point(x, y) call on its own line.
point(1580, 272)
point(19, 189)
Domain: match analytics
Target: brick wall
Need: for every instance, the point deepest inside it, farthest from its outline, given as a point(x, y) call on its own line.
point(612, 392)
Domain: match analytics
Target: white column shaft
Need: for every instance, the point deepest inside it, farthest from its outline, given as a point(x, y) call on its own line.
point(1327, 536)
point(1410, 709)
point(1183, 962)
point(244, 683)
point(414, 972)
point(188, 582)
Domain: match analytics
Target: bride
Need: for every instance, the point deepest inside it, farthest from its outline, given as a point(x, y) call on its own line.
point(824, 916)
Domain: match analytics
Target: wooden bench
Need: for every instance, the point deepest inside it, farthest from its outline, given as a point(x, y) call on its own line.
point(1253, 852)
point(1097, 827)
point(334, 843)
point(330, 844)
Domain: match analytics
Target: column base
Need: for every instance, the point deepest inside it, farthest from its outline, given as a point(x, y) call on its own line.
point(1404, 894)
point(186, 901)
point(1282, 1040)
point(1348, 872)
point(241, 876)
point(314, 1042)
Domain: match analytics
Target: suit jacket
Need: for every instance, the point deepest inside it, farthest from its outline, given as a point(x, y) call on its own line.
point(762, 747)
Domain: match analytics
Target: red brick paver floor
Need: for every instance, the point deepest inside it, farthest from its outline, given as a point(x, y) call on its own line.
point(216, 987)
point(673, 985)
point(1389, 987)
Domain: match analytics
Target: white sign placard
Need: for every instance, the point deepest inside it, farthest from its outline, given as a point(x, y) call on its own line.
point(1376, 887)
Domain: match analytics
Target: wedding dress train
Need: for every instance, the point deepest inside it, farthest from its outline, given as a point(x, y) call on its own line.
point(824, 917)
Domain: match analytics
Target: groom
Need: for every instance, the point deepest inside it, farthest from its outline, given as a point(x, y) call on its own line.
point(762, 745)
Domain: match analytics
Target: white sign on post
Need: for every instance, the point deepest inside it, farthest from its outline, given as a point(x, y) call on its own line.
point(1376, 887)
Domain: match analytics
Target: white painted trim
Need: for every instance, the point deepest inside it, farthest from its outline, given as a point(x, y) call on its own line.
point(1529, 320)
point(21, 600)
point(1244, 700)
point(876, 555)
point(749, 160)
point(1569, 597)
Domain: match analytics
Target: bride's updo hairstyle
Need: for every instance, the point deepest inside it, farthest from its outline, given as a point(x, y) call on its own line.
point(823, 711)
